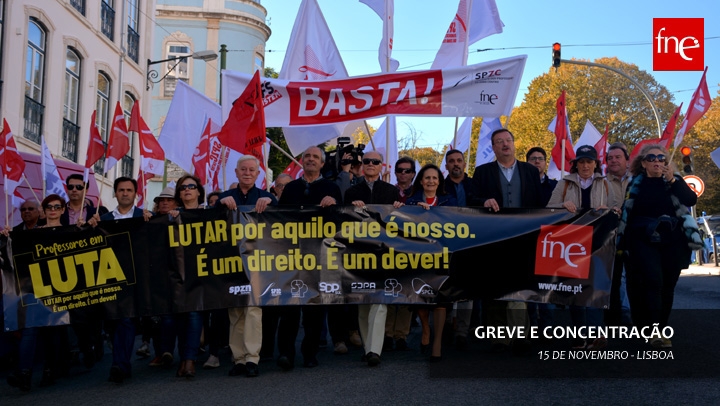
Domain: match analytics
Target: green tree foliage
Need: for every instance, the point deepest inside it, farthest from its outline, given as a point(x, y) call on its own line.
point(595, 94)
point(703, 138)
point(424, 156)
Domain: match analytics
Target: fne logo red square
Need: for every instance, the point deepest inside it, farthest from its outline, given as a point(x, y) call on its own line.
point(678, 44)
point(564, 250)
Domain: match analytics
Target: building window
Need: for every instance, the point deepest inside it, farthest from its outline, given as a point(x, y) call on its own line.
point(258, 63)
point(181, 68)
point(34, 72)
point(70, 115)
point(79, 5)
point(107, 16)
point(133, 36)
point(102, 118)
point(128, 162)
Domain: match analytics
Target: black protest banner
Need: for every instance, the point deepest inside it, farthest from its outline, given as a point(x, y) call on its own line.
point(210, 259)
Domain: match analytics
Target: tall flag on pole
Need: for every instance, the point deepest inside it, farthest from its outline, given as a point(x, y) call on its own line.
point(601, 148)
point(201, 155)
point(53, 182)
point(244, 129)
point(119, 142)
point(311, 55)
point(474, 20)
point(485, 153)
point(561, 128)
point(699, 104)
point(142, 180)
point(151, 153)
point(96, 148)
point(13, 165)
point(385, 9)
point(464, 133)
point(667, 135)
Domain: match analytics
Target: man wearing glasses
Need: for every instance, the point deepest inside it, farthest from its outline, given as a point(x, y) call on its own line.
point(405, 173)
point(537, 157)
point(77, 212)
point(372, 190)
point(30, 215)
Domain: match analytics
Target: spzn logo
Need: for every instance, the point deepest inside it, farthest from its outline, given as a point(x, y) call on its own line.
point(480, 76)
point(298, 288)
point(362, 286)
point(420, 287)
point(326, 287)
point(392, 287)
point(564, 250)
point(678, 44)
point(487, 98)
point(241, 290)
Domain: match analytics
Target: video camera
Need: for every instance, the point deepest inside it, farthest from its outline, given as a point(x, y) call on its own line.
point(334, 159)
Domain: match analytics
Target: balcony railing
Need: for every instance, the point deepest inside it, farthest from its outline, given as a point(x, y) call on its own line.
point(100, 164)
point(108, 20)
point(133, 44)
point(127, 166)
point(70, 140)
point(79, 5)
point(34, 113)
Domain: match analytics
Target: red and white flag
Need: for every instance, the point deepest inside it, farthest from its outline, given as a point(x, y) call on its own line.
point(202, 153)
point(311, 55)
point(385, 9)
point(474, 20)
point(13, 165)
point(244, 129)
point(667, 135)
point(142, 181)
point(96, 148)
point(561, 128)
point(119, 142)
point(294, 170)
point(151, 153)
point(601, 147)
point(52, 182)
point(699, 104)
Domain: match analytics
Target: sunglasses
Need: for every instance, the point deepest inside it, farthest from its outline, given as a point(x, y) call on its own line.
point(53, 207)
point(405, 171)
point(368, 161)
point(191, 186)
point(653, 158)
point(537, 158)
point(76, 187)
point(27, 208)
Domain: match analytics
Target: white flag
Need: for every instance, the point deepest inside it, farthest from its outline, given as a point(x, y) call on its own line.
point(485, 153)
point(54, 184)
point(386, 137)
point(385, 9)
point(462, 139)
point(715, 156)
point(590, 136)
point(311, 55)
point(184, 124)
point(474, 20)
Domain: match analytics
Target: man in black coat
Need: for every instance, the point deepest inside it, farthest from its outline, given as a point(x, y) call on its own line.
point(77, 211)
point(507, 182)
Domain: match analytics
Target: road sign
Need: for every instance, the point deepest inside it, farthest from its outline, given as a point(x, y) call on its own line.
point(695, 183)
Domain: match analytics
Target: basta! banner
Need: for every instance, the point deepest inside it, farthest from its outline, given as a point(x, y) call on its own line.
point(483, 90)
point(214, 259)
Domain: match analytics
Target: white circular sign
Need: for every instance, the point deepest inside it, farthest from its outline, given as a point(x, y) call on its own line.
point(695, 183)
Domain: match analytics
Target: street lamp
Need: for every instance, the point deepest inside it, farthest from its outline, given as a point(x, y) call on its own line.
point(153, 74)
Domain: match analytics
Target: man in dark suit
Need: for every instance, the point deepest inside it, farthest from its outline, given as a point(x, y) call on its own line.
point(507, 183)
point(77, 211)
point(30, 214)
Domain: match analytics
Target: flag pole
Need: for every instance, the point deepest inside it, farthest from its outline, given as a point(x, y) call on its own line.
point(284, 152)
point(7, 212)
point(454, 143)
point(222, 166)
point(562, 160)
point(31, 189)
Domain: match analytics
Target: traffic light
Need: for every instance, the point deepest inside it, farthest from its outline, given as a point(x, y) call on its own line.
point(687, 160)
point(556, 54)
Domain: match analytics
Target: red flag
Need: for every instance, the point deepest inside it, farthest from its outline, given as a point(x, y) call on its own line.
point(699, 104)
point(119, 142)
point(244, 129)
point(601, 145)
point(562, 133)
point(142, 180)
point(151, 153)
point(202, 152)
point(294, 170)
point(96, 148)
point(667, 135)
point(12, 163)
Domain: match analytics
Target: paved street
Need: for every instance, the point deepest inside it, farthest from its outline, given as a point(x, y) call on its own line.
point(472, 376)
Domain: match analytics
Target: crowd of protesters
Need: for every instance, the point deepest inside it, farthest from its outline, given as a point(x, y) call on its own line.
point(653, 250)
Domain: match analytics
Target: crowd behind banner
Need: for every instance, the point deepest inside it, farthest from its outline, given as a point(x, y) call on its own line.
point(214, 259)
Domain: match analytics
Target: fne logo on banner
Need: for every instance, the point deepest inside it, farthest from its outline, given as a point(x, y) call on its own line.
point(564, 250)
point(678, 44)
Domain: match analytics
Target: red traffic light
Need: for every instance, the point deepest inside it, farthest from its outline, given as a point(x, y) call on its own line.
point(686, 151)
point(556, 46)
point(556, 55)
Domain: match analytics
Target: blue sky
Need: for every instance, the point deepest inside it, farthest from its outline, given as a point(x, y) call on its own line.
point(531, 27)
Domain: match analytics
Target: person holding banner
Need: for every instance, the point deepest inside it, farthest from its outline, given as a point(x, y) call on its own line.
point(246, 330)
point(372, 190)
point(584, 188)
point(655, 237)
point(428, 191)
point(310, 189)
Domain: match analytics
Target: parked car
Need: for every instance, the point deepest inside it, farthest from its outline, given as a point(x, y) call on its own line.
point(709, 226)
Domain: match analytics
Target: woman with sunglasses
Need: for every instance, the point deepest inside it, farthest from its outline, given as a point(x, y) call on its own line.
point(584, 188)
point(428, 191)
point(652, 238)
point(189, 194)
point(50, 338)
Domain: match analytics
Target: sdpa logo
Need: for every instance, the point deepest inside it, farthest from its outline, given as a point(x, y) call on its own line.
point(564, 250)
point(678, 44)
